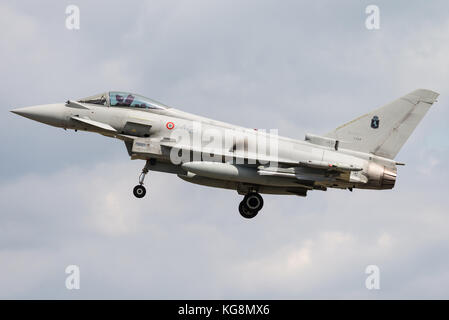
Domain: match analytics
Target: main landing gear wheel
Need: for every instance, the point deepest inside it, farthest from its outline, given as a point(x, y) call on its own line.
point(251, 204)
point(139, 190)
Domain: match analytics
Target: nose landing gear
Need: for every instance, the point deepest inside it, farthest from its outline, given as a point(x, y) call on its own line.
point(251, 204)
point(139, 191)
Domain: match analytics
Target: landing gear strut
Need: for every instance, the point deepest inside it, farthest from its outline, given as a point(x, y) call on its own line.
point(251, 204)
point(139, 190)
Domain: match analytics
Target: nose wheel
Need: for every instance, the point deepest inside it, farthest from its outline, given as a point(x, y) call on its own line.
point(139, 191)
point(251, 204)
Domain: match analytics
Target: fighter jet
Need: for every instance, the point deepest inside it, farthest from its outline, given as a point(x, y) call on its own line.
point(358, 154)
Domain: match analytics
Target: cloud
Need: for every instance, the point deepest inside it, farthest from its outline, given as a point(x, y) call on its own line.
point(187, 241)
point(66, 198)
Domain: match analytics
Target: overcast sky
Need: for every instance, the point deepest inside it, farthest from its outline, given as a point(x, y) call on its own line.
point(296, 66)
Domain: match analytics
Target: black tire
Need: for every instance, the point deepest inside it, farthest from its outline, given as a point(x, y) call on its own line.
point(253, 201)
point(245, 212)
point(139, 191)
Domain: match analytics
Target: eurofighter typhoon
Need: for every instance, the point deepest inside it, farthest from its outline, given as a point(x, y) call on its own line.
point(358, 154)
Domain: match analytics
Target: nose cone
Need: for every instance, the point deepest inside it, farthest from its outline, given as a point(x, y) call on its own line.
point(52, 114)
point(27, 112)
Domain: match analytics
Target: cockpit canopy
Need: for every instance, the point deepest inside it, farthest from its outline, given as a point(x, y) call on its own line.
point(123, 99)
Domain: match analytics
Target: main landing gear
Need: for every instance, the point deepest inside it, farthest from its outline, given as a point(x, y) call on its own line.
point(251, 204)
point(139, 190)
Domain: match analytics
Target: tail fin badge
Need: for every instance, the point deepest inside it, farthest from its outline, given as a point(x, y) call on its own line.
point(375, 122)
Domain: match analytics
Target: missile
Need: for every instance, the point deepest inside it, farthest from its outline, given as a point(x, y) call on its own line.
point(329, 165)
point(232, 172)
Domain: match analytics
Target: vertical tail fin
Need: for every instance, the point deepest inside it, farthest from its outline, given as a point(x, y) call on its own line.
point(384, 131)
